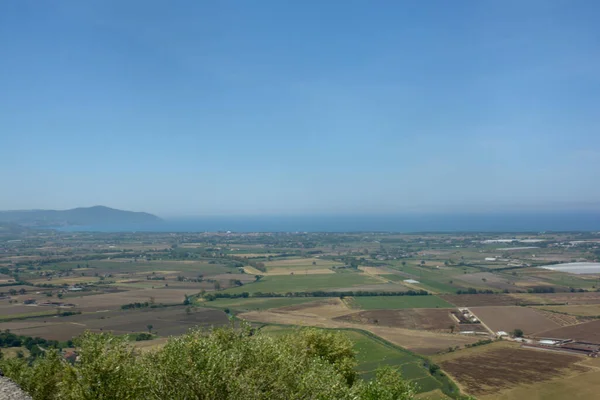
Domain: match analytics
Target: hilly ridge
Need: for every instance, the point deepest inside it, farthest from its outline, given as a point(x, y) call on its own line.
point(97, 215)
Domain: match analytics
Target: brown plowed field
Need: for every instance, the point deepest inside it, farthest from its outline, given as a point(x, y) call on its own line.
point(567, 298)
point(410, 318)
point(490, 371)
point(510, 318)
point(478, 300)
point(165, 321)
point(588, 332)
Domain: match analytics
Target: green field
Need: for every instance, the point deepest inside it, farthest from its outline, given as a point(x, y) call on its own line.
point(305, 283)
point(253, 304)
point(398, 302)
point(437, 280)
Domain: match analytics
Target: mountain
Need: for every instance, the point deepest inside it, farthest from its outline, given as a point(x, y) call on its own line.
point(97, 215)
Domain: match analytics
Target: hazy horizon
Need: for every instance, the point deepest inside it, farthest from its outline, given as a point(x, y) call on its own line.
point(306, 108)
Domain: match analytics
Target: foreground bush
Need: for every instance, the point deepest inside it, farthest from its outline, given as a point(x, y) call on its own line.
point(222, 364)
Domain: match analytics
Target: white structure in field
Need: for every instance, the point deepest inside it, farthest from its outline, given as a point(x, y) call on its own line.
point(410, 281)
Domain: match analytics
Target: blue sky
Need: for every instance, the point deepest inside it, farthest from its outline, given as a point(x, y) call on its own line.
point(300, 107)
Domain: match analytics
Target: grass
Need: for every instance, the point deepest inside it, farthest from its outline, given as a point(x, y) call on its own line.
point(398, 302)
point(253, 304)
point(305, 283)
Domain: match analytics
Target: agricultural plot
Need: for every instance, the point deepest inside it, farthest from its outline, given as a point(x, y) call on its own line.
point(559, 318)
point(324, 308)
point(164, 322)
point(306, 283)
point(493, 369)
point(510, 318)
point(571, 384)
point(586, 332)
point(485, 280)
point(299, 265)
point(567, 298)
point(192, 268)
point(397, 302)
point(254, 303)
point(109, 301)
point(414, 318)
point(479, 300)
point(418, 341)
point(589, 310)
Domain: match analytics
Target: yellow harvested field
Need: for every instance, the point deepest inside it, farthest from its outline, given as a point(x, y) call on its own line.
point(329, 308)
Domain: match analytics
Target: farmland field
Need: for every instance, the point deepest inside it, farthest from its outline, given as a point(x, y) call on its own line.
point(248, 304)
point(509, 318)
point(414, 318)
point(306, 283)
point(490, 370)
point(165, 321)
point(559, 298)
point(589, 310)
point(569, 385)
point(476, 300)
point(298, 265)
point(397, 302)
point(588, 332)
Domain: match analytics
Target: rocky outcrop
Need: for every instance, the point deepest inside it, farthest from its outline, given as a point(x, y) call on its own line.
point(11, 391)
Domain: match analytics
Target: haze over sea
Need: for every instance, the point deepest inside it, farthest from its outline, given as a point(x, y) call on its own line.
point(488, 222)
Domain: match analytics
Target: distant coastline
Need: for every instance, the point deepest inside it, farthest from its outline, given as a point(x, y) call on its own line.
point(496, 222)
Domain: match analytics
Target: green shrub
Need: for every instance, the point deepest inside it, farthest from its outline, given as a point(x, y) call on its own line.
point(221, 364)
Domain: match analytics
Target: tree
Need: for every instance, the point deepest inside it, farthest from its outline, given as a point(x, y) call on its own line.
point(225, 364)
point(149, 326)
point(518, 333)
point(403, 263)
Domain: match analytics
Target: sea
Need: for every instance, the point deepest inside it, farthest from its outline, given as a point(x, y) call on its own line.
point(402, 223)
